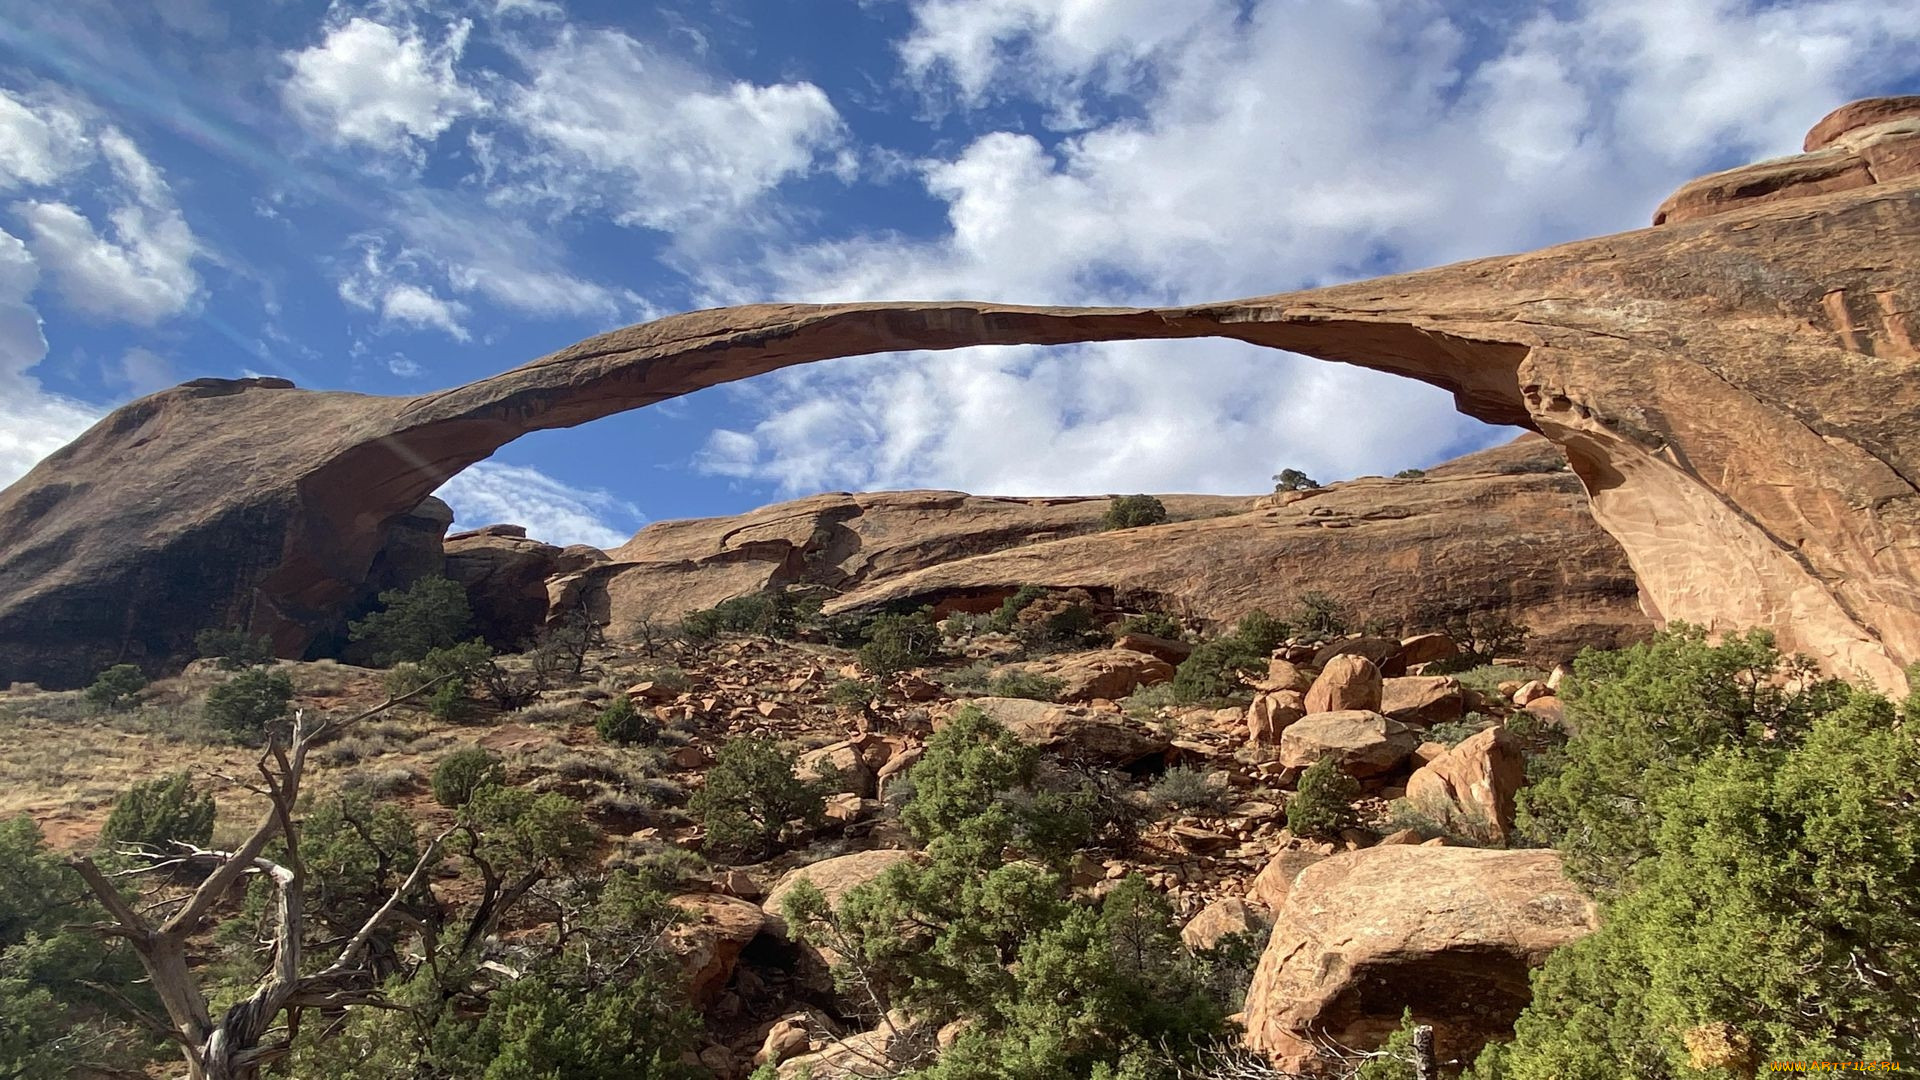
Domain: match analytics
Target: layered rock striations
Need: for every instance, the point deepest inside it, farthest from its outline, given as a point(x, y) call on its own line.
point(1735, 388)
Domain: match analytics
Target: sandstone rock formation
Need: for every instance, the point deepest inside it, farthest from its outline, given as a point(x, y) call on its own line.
point(1449, 932)
point(1471, 788)
point(1734, 389)
point(1364, 743)
point(1347, 682)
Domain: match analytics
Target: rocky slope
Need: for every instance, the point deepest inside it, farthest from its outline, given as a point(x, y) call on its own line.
point(1733, 387)
point(1502, 532)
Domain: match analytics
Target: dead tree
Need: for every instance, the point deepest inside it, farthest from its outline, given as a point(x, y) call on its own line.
point(260, 1028)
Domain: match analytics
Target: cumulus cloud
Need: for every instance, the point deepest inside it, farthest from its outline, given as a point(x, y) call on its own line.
point(613, 124)
point(33, 422)
point(1264, 147)
point(138, 268)
point(494, 493)
point(378, 86)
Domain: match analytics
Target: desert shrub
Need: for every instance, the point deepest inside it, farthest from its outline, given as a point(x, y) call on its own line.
point(573, 638)
point(1409, 474)
point(155, 813)
point(1213, 671)
point(463, 773)
point(1069, 810)
point(774, 612)
point(1187, 788)
point(1644, 717)
point(852, 693)
point(455, 668)
point(430, 614)
point(1132, 511)
point(968, 766)
point(1769, 909)
point(1012, 606)
point(624, 724)
point(1260, 632)
point(1060, 621)
point(233, 648)
point(1150, 700)
point(1394, 1060)
point(1319, 615)
point(118, 687)
point(1455, 732)
point(1026, 684)
point(1293, 480)
point(244, 705)
point(898, 642)
point(1536, 465)
point(1483, 637)
point(1152, 623)
point(752, 800)
point(1322, 802)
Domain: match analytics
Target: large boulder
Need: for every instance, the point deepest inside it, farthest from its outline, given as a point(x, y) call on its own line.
point(835, 878)
point(1275, 880)
point(505, 575)
point(1382, 653)
point(1108, 673)
point(1470, 789)
point(1756, 472)
point(1098, 737)
point(710, 941)
point(844, 762)
point(1227, 915)
point(1365, 744)
point(1270, 715)
point(1450, 933)
point(1346, 682)
point(1425, 700)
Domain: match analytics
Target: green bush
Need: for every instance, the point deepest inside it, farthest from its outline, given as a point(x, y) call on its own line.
point(430, 614)
point(1012, 606)
point(752, 800)
point(1766, 906)
point(1322, 802)
point(1187, 788)
point(1455, 732)
point(852, 693)
point(1132, 511)
point(1151, 623)
point(1320, 615)
point(898, 642)
point(1261, 632)
point(1409, 474)
point(1644, 717)
point(118, 687)
point(244, 705)
point(155, 813)
point(1025, 684)
point(775, 612)
point(1213, 672)
point(461, 774)
point(621, 723)
point(235, 649)
point(1293, 480)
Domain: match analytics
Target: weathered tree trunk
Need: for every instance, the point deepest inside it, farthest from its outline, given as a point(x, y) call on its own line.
point(1425, 1067)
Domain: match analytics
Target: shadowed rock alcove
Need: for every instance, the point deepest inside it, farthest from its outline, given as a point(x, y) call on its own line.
point(1735, 388)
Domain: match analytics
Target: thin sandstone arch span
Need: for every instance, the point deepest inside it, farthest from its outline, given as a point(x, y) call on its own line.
point(1736, 388)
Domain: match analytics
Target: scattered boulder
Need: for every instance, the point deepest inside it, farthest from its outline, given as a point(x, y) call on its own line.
point(890, 1050)
point(1452, 931)
point(1470, 789)
point(1345, 682)
point(1101, 737)
point(1227, 915)
point(1551, 710)
point(1271, 886)
point(1285, 675)
point(835, 878)
point(1531, 691)
point(1109, 674)
point(1271, 713)
point(1425, 700)
point(1364, 743)
point(1426, 648)
point(842, 760)
point(1382, 653)
point(1158, 647)
point(710, 941)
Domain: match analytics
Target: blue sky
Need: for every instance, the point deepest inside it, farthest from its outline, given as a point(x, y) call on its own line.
point(395, 196)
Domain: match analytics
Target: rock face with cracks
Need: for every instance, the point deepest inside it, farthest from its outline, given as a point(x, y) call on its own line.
point(1735, 388)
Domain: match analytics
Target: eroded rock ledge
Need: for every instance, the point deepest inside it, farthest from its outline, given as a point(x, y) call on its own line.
point(1737, 392)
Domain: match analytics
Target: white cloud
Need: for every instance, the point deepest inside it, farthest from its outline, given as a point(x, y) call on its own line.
point(142, 371)
point(139, 269)
point(1284, 146)
point(33, 422)
point(493, 493)
point(388, 89)
point(415, 306)
point(616, 125)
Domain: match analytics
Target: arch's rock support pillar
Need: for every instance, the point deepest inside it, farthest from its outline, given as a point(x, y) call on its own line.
point(1739, 389)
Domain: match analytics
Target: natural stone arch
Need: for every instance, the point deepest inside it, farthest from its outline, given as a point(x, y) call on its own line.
point(1736, 389)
